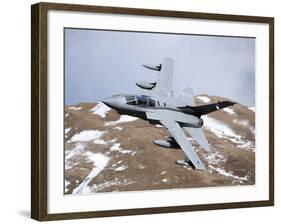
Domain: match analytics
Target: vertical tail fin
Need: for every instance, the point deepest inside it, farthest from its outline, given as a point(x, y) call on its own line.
point(186, 97)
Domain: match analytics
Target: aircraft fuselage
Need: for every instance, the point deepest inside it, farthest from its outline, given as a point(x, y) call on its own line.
point(140, 105)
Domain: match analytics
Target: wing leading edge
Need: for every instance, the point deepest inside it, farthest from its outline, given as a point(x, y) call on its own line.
point(180, 137)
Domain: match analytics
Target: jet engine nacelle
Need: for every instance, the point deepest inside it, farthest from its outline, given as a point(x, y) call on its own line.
point(197, 124)
point(146, 85)
point(200, 123)
point(167, 143)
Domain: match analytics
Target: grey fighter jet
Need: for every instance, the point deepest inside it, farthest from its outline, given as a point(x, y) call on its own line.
point(178, 114)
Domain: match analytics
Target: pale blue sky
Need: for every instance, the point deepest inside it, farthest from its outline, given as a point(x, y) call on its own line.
point(99, 64)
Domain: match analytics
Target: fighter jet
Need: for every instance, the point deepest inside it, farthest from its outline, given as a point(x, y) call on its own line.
point(179, 115)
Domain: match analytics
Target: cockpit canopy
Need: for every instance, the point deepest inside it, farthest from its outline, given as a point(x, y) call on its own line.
point(140, 100)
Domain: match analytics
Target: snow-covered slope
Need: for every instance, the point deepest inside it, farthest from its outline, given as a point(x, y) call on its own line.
point(106, 152)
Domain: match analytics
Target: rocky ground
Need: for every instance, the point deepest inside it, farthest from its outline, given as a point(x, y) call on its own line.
point(106, 152)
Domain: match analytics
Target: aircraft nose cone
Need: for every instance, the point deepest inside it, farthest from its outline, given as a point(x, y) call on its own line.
point(111, 102)
point(108, 101)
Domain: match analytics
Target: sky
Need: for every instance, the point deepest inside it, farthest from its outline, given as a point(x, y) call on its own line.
point(100, 63)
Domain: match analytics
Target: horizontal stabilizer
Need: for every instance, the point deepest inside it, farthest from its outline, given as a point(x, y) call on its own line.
point(206, 109)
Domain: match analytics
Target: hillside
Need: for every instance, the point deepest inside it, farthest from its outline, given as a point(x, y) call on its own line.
point(106, 152)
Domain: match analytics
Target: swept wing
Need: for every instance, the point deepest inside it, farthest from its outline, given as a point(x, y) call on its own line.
point(180, 137)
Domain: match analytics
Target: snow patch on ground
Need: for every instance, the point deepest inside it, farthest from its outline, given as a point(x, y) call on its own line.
point(214, 158)
point(99, 161)
point(100, 109)
point(247, 145)
point(122, 119)
point(229, 110)
point(141, 167)
point(205, 99)
point(163, 172)
point(100, 142)
point(118, 128)
point(79, 147)
point(115, 164)
point(67, 130)
point(116, 148)
point(115, 182)
point(252, 109)
point(227, 174)
point(245, 123)
point(165, 180)
point(75, 108)
point(66, 115)
point(88, 135)
point(220, 129)
point(121, 168)
point(66, 183)
point(223, 131)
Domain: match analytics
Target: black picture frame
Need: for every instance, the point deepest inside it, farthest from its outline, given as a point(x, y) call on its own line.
point(39, 106)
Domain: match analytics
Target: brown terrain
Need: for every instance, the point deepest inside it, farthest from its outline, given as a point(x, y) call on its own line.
point(106, 152)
